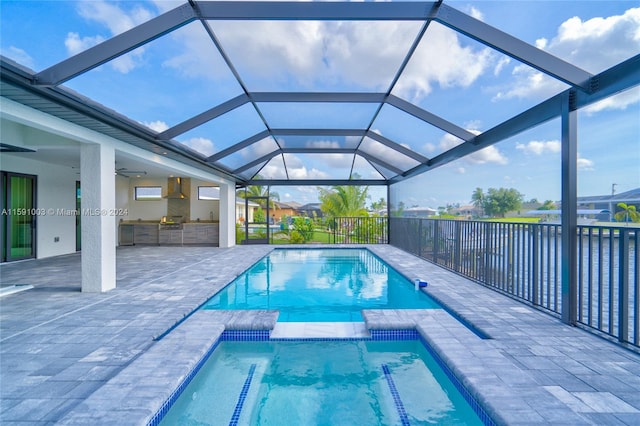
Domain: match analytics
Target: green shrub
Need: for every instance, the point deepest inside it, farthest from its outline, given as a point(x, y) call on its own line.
point(304, 226)
point(296, 238)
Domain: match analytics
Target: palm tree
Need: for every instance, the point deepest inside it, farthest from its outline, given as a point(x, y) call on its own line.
point(346, 200)
point(477, 199)
point(379, 205)
point(628, 212)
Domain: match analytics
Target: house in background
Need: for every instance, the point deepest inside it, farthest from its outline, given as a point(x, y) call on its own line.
point(311, 210)
point(610, 202)
point(419, 212)
point(278, 210)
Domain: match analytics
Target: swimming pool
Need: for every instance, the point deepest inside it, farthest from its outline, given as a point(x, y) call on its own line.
point(311, 285)
point(335, 382)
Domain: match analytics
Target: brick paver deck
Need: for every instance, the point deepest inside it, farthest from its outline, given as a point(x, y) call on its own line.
point(69, 357)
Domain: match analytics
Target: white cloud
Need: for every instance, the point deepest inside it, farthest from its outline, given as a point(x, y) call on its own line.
point(75, 44)
point(490, 154)
point(441, 59)
point(198, 57)
point(541, 43)
point(476, 13)
point(449, 141)
point(19, 55)
point(618, 102)
point(502, 62)
point(112, 16)
point(429, 147)
point(586, 165)
point(158, 126)
point(335, 160)
point(529, 83)
point(202, 145)
point(116, 20)
point(322, 144)
point(389, 155)
point(259, 149)
point(613, 38)
point(308, 53)
point(540, 147)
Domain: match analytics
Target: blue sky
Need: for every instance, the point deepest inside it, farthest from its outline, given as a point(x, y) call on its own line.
point(449, 75)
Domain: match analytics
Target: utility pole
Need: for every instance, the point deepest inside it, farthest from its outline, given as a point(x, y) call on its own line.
point(613, 192)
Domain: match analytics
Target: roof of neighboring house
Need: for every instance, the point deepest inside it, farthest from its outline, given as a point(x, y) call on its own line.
point(631, 195)
point(558, 212)
point(310, 206)
point(420, 209)
point(289, 205)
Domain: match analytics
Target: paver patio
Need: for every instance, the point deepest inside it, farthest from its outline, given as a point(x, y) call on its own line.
point(63, 350)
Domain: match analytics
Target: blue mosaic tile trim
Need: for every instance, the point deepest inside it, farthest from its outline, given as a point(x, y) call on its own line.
point(409, 334)
point(243, 395)
point(245, 335)
point(475, 405)
point(166, 406)
point(396, 396)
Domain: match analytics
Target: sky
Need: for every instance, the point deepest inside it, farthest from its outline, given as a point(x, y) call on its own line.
point(179, 75)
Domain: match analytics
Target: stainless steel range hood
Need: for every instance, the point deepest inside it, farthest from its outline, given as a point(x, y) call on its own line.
point(174, 189)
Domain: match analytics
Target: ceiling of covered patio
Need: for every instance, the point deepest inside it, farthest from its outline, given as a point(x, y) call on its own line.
point(323, 92)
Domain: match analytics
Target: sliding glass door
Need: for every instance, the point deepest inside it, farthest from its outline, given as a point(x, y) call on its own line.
point(18, 218)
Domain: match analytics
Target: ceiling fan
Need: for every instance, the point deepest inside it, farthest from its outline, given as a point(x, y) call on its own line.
point(123, 171)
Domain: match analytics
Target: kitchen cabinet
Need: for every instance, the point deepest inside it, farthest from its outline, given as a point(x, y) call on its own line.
point(126, 235)
point(170, 236)
point(192, 233)
point(145, 233)
point(201, 233)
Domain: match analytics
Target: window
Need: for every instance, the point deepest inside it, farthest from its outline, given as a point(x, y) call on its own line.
point(208, 193)
point(148, 193)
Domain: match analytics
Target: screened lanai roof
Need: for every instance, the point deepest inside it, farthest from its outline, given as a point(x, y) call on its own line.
point(317, 92)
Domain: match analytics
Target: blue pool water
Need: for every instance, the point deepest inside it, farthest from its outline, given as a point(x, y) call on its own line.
point(320, 285)
point(355, 382)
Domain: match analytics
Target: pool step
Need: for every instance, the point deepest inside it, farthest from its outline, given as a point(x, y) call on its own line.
point(319, 330)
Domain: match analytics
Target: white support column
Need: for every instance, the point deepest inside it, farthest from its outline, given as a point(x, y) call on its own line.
point(97, 163)
point(227, 215)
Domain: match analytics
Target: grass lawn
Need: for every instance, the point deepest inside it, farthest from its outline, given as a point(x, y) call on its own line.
point(514, 219)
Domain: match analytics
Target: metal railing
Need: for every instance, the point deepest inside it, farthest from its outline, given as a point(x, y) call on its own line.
point(524, 261)
point(359, 230)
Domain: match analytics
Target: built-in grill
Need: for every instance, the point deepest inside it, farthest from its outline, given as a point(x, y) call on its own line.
point(168, 223)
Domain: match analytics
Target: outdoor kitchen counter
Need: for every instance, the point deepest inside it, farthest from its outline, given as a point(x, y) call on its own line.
point(149, 233)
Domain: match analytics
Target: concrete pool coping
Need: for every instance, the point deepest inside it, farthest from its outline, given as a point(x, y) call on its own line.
point(59, 346)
